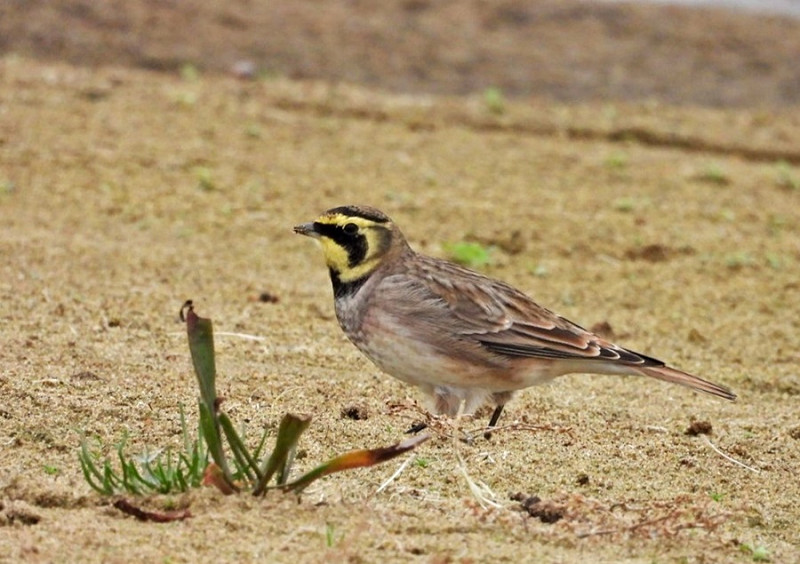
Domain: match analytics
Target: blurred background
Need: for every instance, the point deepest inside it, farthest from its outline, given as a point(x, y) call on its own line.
point(731, 53)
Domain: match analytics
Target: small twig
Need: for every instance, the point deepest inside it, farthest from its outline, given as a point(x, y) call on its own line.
point(639, 525)
point(47, 381)
point(244, 336)
point(482, 493)
point(521, 427)
point(394, 476)
point(730, 458)
point(127, 507)
point(288, 540)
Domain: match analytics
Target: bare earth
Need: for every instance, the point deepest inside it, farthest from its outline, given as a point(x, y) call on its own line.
point(124, 192)
point(563, 50)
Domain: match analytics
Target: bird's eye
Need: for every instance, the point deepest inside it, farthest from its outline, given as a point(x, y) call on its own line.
point(350, 228)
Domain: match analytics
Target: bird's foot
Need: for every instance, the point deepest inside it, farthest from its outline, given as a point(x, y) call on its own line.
point(416, 428)
point(493, 421)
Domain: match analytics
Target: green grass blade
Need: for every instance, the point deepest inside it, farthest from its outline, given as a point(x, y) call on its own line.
point(187, 447)
point(195, 458)
point(111, 482)
point(181, 482)
point(211, 435)
point(90, 460)
point(289, 431)
point(90, 471)
point(285, 468)
point(210, 428)
point(194, 466)
point(127, 485)
point(261, 443)
point(160, 472)
point(129, 480)
point(247, 463)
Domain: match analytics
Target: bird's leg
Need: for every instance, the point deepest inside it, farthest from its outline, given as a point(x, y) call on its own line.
point(500, 400)
point(493, 420)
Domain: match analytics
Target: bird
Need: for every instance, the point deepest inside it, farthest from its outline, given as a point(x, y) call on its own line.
point(463, 338)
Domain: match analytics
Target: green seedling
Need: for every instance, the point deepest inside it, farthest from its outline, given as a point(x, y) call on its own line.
point(160, 472)
point(189, 72)
point(739, 260)
point(494, 100)
point(625, 204)
point(185, 99)
point(617, 161)
point(540, 270)
point(205, 180)
point(468, 253)
point(330, 534)
point(714, 174)
point(786, 177)
point(774, 261)
point(758, 553)
point(254, 131)
point(220, 455)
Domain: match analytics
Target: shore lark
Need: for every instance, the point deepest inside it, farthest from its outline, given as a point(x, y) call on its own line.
point(461, 337)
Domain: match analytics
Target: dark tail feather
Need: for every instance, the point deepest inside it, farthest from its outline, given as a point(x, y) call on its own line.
point(677, 377)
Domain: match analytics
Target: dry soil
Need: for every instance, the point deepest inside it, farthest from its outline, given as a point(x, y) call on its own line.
point(125, 191)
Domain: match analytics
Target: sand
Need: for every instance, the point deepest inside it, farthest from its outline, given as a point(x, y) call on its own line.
point(124, 192)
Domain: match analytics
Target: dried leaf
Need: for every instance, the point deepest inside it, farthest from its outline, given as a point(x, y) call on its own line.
point(213, 476)
point(355, 459)
point(154, 516)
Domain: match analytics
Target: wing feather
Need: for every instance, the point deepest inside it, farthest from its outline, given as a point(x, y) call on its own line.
point(464, 313)
point(469, 306)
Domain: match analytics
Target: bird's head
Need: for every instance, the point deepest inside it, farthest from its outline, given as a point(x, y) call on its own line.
point(354, 239)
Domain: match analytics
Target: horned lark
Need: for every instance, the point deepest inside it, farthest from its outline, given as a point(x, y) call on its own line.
point(461, 337)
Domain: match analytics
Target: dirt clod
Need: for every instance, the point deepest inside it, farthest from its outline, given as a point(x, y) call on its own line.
point(699, 428)
point(696, 336)
point(545, 511)
point(355, 412)
point(650, 253)
point(18, 512)
point(85, 375)
point(268, 298)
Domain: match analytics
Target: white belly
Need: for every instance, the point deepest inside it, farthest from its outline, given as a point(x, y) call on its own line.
point(403, 354)
point(447, 370)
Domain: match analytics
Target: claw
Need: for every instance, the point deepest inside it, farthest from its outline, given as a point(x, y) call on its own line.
point(416, 428)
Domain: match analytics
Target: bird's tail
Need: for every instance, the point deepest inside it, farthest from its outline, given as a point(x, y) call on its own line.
point(690, 381)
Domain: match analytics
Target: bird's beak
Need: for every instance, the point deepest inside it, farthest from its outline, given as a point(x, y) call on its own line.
point(306, 229)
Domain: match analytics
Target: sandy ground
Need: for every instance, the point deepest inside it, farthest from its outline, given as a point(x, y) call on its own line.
point(689, 255)
point(555, 49)
point(124, 192)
